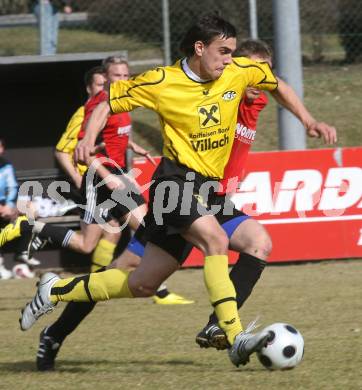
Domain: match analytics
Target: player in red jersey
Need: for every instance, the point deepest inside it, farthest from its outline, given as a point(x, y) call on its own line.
point(94, 214)
point(251, 106)
point(115, 134)
point(254, 241)
point(115, 138)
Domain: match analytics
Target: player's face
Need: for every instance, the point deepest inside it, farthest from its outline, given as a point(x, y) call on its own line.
point(97, 84)
point(215, 57)
point(117, 72)
point(251, 92)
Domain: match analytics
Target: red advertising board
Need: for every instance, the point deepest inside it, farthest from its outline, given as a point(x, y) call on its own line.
point(310, 201)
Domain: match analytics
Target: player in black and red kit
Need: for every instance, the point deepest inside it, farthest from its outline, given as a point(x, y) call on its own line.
point(115, 140)
point(95, 216)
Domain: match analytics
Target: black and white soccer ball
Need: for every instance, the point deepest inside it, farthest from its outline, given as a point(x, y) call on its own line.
point(23, 271)
point(285, 348)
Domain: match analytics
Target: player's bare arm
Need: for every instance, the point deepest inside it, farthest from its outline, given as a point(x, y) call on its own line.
point(286, 96)
point(69, 167)
point(112, 181)
point(94, 126)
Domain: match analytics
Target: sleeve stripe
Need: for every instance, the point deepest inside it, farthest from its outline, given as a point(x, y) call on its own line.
point(127, 94)
point(265, 77)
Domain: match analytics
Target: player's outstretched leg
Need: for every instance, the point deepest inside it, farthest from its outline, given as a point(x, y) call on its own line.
point(52, 337)
point(95, 287)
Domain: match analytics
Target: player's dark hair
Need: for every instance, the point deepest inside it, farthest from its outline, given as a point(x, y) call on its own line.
point(88, 76)
point(2, 142)
point(206, 29)
point(250, 47)
point(107, 62)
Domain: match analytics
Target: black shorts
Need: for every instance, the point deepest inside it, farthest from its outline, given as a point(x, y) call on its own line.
point(73, 193)
point(179, 196)
point(101, 204)
point(202, 200)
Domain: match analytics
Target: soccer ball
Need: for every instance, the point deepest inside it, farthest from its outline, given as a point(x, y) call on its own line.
point(23, 271)
point(285, 347)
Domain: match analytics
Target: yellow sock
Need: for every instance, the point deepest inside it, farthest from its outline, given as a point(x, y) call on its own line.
point(95, 287)
point(222, 295)
point(102, 255)
point(11, 231)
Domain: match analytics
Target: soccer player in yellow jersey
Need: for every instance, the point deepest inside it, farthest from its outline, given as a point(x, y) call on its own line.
point(197, 100)
point(74, 313)
point(52, 337)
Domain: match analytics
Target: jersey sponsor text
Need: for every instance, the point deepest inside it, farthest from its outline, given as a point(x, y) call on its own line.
point(207, 144)
point(244, 134)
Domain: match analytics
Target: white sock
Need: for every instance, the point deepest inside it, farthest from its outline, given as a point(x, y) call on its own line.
point(38, 226)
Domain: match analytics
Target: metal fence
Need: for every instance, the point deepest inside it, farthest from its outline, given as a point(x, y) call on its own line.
point(331, 29)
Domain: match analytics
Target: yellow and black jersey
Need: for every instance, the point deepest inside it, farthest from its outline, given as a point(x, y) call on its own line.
point(198, 118)
point(69, 138)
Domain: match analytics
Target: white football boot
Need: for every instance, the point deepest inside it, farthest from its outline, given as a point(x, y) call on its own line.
point(245, 344)
point(40, 304)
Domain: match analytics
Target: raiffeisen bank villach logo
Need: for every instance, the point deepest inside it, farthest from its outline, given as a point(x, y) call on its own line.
point(209, 115)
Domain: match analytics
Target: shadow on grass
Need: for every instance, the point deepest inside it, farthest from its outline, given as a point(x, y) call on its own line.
point(22, 366)
point(78, 366)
